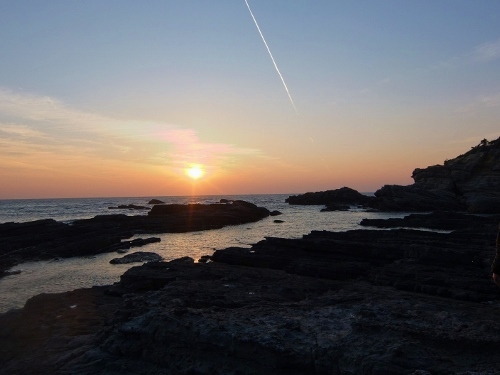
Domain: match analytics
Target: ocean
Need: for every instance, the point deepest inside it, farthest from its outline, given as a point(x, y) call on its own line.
point(62, 275)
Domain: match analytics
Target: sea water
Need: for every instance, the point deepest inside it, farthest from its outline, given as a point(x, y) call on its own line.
point(82, 272)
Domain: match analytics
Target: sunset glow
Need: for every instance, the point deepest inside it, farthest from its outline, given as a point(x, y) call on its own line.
point(195, 172)
point(193, 101)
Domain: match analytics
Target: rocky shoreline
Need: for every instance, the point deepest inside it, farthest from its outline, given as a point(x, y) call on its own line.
point(398, 301)
point(48, 239)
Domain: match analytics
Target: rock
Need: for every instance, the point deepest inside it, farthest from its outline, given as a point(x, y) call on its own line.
point(343, 195)
point(374, 302)
point(454, 264)
point(225, 200)
point(278, 221)
point(413, 198)
point(204, 258)
point(138, 256)
point(275, 213)
point(155, 201)
point(211, 216)
point(468, 182)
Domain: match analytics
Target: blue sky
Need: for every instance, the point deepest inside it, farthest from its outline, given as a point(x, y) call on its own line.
point(127, 88)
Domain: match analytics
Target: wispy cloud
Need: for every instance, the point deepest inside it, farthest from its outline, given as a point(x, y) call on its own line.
point(43, 125)
point(487, 51)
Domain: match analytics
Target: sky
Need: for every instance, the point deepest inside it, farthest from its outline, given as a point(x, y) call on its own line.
point(124, 98)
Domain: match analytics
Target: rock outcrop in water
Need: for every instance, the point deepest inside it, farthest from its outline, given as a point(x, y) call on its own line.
point(469, 182)
point(342, 196)
point(47, 239)
point(360, 302)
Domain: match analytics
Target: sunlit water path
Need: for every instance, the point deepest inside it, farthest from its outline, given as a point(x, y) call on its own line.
point(68, 274)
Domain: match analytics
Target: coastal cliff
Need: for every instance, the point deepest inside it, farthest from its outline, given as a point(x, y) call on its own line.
point(469, 182)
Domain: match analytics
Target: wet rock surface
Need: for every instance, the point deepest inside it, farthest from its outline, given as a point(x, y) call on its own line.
point(138, 256)
point(360, 302)
point(47, 239)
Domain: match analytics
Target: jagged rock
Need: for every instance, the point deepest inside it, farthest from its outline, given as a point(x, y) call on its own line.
point(155, 201)
point(138, 256)
point(468, 182)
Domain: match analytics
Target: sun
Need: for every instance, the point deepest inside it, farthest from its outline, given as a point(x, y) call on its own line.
point(195, 172)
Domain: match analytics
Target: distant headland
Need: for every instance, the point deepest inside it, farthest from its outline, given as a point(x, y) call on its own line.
point(470, 182)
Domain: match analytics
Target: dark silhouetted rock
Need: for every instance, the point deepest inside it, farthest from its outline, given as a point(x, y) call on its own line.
point(48, 239)
point(468, 182)
point(278, 221)
point(155, 201)
point(275, 213)
point(138, 256)
point(343, 196)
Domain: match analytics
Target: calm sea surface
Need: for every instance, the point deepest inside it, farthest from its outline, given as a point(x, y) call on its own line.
point(68, 274)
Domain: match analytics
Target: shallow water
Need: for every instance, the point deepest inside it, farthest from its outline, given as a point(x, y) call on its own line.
point(68, 274)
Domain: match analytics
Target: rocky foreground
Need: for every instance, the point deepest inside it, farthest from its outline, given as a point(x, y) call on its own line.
point(48, 239)
point(399, 301)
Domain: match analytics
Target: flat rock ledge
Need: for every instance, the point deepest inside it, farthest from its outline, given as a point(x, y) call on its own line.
point(378, 302)
point(48, 239)
point(138, 256)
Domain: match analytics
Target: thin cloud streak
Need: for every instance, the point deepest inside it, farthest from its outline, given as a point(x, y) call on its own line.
point(272, 58)
point(488, 51)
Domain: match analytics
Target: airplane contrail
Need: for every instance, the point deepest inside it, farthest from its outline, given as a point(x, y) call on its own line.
point(272, 58)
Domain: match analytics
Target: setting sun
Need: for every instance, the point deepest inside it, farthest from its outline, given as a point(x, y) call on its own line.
point(195, 172)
